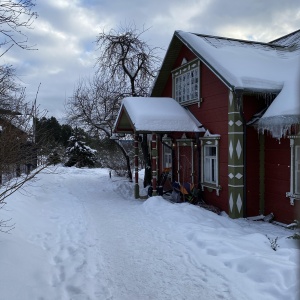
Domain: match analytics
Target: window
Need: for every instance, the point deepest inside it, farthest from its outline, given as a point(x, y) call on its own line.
point(210, 164)
point(210, 161)
point(186, 83)
point(167, 157)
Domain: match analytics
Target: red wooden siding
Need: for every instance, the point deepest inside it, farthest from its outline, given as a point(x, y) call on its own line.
point(252, 175)
point(213, 114)
point(252, 105)
point(277, 179)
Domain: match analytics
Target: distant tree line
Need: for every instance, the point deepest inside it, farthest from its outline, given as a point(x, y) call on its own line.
point(74, 146)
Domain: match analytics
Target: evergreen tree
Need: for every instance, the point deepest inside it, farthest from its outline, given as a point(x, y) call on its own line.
point(78, 153)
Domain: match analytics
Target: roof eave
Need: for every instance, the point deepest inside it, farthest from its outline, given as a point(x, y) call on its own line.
point(166, 67)
point(207, 63)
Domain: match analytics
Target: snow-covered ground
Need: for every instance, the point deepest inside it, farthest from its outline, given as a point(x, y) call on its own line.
point(81, 235)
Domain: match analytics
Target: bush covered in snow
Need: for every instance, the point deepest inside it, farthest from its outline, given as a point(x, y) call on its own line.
point(79, 154)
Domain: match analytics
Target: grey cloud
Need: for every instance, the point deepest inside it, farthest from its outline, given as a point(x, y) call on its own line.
point(65, 34)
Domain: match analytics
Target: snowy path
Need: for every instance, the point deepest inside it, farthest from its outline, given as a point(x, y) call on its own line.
point(84, 237)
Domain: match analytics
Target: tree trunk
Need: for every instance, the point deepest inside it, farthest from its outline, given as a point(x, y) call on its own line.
point(129, 173)
point(147, 161)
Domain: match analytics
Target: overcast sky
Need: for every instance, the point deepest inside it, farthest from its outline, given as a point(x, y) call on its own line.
point(65, 31)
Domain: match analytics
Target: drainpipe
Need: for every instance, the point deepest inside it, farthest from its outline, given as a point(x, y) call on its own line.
point(239, 97)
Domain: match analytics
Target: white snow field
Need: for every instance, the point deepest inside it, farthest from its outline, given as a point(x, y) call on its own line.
point(81, 235)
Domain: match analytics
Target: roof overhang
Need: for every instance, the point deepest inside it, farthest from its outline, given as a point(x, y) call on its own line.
point(159, 115)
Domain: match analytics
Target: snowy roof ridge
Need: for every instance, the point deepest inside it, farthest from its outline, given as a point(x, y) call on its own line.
point(240, 41)
point(288, 40)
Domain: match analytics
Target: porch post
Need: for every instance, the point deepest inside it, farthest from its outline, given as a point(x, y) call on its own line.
point(136, 167)
point(192, 157)
point(235, 159)
point(154, 163)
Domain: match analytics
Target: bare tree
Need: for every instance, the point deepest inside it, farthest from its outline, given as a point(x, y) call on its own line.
point(18, 155)
point(126, 66)
point(125, 57)
point(16, 15)
point(18, 152)
point(94, 106)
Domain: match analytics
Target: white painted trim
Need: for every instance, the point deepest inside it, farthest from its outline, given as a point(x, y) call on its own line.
point(236, 166)
point(236, 132)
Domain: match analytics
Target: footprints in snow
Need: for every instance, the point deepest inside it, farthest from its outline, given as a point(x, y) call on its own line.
point(69, 252)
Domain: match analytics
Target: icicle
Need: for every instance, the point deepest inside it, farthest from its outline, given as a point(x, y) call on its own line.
point(278, 126)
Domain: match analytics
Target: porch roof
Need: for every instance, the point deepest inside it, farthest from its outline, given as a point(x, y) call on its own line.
point(150, 114)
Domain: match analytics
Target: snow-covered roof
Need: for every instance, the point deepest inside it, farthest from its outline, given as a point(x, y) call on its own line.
point(252, 67)
point(150, 114)
point(291, 39)
point(243, 64)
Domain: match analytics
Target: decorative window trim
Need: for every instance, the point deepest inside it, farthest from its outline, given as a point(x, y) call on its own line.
point(293, 194)
point(168, 149)
point(184, 72)
point(210, 140)
point(186, 142)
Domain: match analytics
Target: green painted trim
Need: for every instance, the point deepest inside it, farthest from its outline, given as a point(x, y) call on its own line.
point(136, 191)
point(235, 202)
point(235, 159)
point(154, 153)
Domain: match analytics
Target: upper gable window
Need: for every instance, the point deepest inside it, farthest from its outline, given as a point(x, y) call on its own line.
point(186, 83)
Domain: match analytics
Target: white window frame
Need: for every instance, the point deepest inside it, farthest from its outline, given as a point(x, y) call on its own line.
point(186, 83)
point(167, 156)
point(294, 193)
point(210, 140)
point(210, 164)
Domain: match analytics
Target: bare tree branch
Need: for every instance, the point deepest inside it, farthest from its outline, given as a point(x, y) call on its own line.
point(126, 57)
point(126, 66)
point(15, 16)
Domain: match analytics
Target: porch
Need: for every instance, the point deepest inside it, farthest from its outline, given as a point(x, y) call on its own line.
point(172, 134)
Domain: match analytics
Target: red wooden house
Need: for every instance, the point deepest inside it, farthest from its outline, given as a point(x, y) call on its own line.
point(234, 127)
